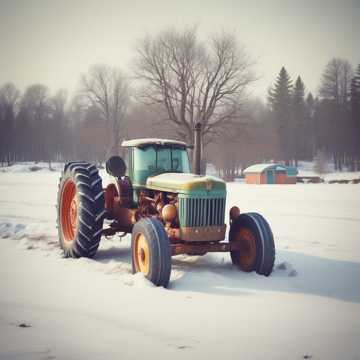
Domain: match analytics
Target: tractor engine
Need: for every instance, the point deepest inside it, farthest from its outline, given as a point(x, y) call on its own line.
point(160, 204)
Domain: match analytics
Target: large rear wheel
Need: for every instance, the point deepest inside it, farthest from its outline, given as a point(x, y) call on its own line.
point(255, 248)
point(80, 211)
point(151, 253)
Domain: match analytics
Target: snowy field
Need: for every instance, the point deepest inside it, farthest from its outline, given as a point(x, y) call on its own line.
point(307, 168)
point(96, 309)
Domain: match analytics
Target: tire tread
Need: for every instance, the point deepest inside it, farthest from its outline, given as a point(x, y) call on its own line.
point(91, 208)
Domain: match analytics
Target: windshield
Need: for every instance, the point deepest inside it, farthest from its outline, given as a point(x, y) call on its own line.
point(150, 160)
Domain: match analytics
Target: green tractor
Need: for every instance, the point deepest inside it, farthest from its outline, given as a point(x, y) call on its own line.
point(168, 211)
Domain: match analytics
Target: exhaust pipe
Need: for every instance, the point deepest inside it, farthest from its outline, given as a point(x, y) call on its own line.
point(197, 150)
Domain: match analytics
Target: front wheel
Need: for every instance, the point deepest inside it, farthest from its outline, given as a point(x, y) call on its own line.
point(254, 243)
point(151, 253)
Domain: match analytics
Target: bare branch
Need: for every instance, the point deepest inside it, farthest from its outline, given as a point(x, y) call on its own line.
point(107, 89)
point(194, 81)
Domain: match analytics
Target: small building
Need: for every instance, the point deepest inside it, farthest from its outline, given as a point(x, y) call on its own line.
point(291, 172)
point(270, 174)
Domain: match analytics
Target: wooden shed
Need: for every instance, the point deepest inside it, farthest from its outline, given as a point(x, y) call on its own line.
point(270, 174)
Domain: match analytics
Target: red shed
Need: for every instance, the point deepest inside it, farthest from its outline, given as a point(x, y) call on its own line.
point(269, 174)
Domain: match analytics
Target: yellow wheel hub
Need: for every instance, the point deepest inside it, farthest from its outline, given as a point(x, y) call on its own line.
point(142, 254)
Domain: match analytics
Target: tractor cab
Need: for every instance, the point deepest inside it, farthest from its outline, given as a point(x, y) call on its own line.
point(145, 158)
point(150, 157)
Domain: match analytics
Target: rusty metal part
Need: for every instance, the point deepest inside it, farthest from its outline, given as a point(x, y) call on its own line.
point(69, 210)
point(171, 196)
point(160, 202)
point(173, 234)
point(115, 227)
point(125, 217)
point(109, 231)
point(234, 213)
point(147, 206)
point(110, 194)
point(202, 248)
point(203, 233)
point(125, 191)
point(246, 242)
point(121, 191)
point(169, 213)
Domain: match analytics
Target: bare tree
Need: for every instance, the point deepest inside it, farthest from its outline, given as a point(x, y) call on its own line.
point(107, 89)
point(335, 89)
point(58, 124)
point(195, 81)
point(35, 111)
point(9, 96)
point(336, 80)
point(254, 141)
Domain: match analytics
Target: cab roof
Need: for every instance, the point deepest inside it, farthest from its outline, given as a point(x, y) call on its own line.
point(150, 141)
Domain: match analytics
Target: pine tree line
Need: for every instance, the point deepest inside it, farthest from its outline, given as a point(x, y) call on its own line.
point(330, 123)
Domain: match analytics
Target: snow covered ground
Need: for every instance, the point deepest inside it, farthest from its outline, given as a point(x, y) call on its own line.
point(306, 168)
point(96, 309)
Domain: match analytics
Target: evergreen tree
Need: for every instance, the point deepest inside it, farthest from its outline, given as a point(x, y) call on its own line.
point(299, 119)
point(280, 99)
point(310, 104)
point(310, 127)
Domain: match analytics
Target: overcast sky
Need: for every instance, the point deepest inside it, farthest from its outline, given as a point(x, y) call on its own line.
point(53, 42)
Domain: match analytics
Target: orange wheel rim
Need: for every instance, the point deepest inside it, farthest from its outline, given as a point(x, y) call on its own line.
point(247, 248)
point(142, 254)
point(69, 211)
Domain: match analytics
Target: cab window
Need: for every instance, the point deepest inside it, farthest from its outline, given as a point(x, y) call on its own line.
point(154, 160)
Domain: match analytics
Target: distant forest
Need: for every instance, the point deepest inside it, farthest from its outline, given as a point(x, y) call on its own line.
point(176, 81)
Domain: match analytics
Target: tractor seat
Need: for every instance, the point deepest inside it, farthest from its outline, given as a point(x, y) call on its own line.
point(115, 166)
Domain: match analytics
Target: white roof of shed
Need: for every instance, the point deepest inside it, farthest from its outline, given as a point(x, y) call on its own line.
point(259, 168)
point(145, 141)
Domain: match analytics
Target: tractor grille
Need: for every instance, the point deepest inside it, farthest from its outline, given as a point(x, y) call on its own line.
point(196, 212)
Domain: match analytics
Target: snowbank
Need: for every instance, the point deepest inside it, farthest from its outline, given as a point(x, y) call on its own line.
point(306, 168)
point(26, 167)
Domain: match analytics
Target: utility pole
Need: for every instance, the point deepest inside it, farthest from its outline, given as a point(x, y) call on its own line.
point(197, 150)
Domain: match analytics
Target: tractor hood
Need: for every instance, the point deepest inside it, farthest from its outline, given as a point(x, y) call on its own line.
point(184, 183)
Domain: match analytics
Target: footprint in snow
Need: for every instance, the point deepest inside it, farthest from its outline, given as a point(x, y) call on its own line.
point(281, 266)
point(180, 347)
point(286, 266)
point(19, 227)
point(24, 325)
point(292, 273)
